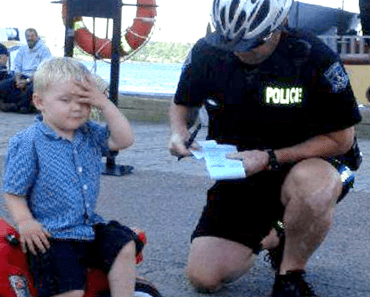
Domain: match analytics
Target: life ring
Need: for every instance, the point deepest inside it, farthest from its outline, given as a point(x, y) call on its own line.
point(135, 35)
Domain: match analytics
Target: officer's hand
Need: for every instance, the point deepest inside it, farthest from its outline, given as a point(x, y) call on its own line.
point(177, 145)
point(254, 161)
point(33, 236)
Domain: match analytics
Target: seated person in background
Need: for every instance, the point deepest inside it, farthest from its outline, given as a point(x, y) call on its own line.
point(16, 92)
point(4, 55)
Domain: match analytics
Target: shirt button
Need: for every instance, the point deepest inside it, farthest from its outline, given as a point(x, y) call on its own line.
point(87, 204)
point(85, 187)
point(79, 169)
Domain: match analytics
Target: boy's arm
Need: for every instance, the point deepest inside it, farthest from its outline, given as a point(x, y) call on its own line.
point(18, 208)
point(32, 233)
point(121, 134)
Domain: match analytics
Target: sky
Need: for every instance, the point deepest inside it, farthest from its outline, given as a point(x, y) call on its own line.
point(177, 21)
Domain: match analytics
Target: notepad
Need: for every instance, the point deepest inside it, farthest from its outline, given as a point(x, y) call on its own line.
point(219, 167)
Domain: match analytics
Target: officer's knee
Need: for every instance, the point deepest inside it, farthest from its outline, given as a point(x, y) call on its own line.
point(202, 282)
point(314, 184)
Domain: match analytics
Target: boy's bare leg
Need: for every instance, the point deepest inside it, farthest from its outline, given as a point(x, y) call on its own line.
point(122, 274)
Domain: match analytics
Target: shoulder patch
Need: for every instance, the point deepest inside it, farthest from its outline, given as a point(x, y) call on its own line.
point(337, 77)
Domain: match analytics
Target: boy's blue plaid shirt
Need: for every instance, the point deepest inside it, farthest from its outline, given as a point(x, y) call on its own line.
point(59, 178)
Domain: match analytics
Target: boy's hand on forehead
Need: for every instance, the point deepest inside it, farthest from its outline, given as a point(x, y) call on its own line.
point(89, 93)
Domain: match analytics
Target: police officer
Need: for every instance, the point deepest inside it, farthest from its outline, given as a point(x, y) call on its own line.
point(284, 98)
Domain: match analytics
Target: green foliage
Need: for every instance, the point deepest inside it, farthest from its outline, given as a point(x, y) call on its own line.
point(162, 52)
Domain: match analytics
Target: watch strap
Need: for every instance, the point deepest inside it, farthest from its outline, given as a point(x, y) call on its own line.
point(274, 165)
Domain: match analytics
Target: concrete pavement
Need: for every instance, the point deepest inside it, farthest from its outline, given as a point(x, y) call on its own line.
point(165, 198)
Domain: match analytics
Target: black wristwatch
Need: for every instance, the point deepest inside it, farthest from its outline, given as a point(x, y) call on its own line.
point(274, 165)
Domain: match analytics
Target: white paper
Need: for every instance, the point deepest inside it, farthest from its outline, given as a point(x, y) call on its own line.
point(218, 165)
point(199, 154)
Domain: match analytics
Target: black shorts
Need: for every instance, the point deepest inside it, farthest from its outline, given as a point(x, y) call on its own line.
point(63, 267)
point(245, 210)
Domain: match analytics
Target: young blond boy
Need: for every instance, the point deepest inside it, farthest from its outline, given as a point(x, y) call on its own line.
point(51, 184)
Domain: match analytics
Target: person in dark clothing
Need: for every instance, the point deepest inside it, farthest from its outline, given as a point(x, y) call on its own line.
point(285, 100)
point(365, 16)
point(4, 57)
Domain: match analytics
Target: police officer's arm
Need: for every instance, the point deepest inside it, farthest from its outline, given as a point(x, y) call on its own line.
point(181, 118)
point(326, 145)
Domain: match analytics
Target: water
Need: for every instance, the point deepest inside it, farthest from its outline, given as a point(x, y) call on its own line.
point(150, 78)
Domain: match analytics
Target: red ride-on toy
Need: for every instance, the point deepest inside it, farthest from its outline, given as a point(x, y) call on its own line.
point(16, 279)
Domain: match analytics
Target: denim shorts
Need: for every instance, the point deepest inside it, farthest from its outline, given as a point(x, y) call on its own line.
point(63, 267)
point(245, 210)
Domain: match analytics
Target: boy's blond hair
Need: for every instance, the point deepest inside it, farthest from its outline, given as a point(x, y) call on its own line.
point(58, 70)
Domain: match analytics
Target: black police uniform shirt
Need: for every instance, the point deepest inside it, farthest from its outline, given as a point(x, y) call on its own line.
point(300, 91)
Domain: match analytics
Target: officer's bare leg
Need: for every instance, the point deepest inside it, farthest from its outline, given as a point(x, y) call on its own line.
point(214, 261)
point(122, 274)
point(309, 194)
point(271, 240)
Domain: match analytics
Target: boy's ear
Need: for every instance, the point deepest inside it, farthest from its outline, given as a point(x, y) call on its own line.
point(37, 101)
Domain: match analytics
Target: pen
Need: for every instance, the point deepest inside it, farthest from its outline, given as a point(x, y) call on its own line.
point(191, 138)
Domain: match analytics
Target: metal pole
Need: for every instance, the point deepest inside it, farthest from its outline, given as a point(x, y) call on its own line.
point(111, 168)
point(69, 35)
point(114, 75)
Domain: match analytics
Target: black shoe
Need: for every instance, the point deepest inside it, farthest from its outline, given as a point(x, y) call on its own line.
point(292, 285)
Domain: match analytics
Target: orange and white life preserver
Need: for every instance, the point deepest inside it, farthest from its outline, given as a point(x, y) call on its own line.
point(135, 35)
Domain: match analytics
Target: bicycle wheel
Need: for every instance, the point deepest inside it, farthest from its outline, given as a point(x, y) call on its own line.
point(144, 288)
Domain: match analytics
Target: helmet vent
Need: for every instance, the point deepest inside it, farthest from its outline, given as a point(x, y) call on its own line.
point(233, 7)
point(223, 19)
point(216, 6)
point(252, 13)
point(240, 22)
point(261, 15)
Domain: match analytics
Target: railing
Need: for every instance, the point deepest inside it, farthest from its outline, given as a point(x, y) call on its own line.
point(353, 49)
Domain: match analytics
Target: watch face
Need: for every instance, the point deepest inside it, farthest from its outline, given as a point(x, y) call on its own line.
point(274, 164)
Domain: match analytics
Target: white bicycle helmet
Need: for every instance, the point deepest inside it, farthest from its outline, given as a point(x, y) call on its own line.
point(242, 24)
